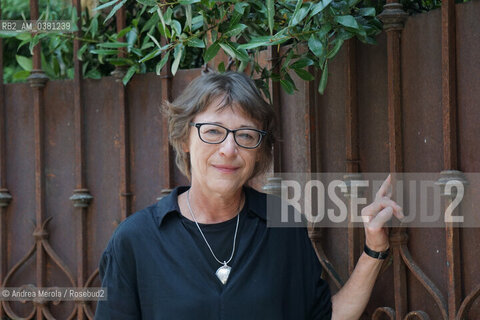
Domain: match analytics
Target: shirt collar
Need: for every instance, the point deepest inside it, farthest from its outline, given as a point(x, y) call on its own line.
point(255, 202)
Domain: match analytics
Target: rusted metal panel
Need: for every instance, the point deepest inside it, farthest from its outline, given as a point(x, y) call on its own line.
point(450, 157)
point(147, 140)
point(331, 107)
point(102, 118)
point(319, 135)
point(421, 54)
point(372, 106)
point(422, 100)
point(59, 162)
point(468, 117)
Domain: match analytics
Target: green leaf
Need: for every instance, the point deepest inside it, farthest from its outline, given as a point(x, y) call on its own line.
point(151, 55)
point(347, 21)
point(242, 66)
point(20, 75)
point(120, 61)
point(188, 16)
point(211, 52)
point(367, 12)
point(234, 30)
point(303, 74)
point(154, 40)
point(177, 57)
point(186, 2)
point(84, 68)
point(315, 45)
point(123, 32)
point(81, 51)
point(129, 74)
point(297, 9)
point(301, 63)
point(131, 38)
point(257, 42)
point(234, 52)
point(228, 50)
point(162, 19)
point(113, 45)
point(299, 15)
point(168, 15)
point(148, 2)
point(323, 79)
point(151, 22)
point(114, 10)
point(240, 7)
point(221, 67)
point(336, 48)
point(94, 26)
point(264, 41)
point(177, 27)
point(70, 73)
point(162, 62)
point(24, 62)
point(47, 67)
point(318, 7)
point(196, 42)
point(23, 36)
point(197, 22)
point(105, 5)
point(270, 14)
point(104, 51)
point(287, 86)
point(147, 45)
point(93, 74)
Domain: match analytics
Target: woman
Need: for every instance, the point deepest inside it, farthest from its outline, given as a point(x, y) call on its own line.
point(204, 251)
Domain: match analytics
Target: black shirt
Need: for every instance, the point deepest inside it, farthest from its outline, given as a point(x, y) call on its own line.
point(157, 266)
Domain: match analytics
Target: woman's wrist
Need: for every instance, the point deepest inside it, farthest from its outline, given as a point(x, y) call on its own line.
point(380, 255)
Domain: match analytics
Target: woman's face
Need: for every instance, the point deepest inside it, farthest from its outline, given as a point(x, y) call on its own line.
point(221, 168)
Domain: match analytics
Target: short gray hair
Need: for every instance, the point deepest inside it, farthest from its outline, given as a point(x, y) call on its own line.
point(234, 89)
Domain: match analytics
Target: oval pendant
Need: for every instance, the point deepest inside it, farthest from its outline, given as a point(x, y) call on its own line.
point(222, 273)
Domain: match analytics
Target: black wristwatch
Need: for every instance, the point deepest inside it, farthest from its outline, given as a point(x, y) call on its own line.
point(382, 255)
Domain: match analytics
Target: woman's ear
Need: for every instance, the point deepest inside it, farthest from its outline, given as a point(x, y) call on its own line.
point(185, 147)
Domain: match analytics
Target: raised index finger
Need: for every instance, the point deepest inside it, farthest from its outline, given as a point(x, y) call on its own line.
point(382, 192)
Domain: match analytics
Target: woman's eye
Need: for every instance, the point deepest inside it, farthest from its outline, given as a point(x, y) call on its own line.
point(245, 136)
point(212, 131)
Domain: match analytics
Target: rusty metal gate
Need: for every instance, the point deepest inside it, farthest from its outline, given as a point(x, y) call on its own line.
point(77, 157)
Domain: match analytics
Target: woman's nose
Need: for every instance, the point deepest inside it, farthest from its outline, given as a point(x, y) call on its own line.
point(229, 147)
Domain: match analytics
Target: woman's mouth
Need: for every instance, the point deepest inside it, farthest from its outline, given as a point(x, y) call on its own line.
point(225, 168)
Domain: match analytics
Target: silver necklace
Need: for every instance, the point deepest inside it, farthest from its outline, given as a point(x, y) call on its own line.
point(223, 272)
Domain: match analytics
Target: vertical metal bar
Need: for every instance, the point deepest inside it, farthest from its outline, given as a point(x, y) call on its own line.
point(4, 194)
point(167, 167)
point(393, 18)
point(274, 87)
point(81, 196)
point(449, 93)
point(351, 109)
point(124, 130)
point(449, 105)
point(351, 145)
point(37, 80)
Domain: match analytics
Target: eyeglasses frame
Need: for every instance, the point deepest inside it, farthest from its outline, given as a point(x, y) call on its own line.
point(199, 124)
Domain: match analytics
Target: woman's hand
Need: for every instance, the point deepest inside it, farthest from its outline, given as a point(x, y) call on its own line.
point(377, 214)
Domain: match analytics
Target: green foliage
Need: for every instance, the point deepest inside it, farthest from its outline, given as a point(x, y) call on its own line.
point(306, 35)
point(312, 31)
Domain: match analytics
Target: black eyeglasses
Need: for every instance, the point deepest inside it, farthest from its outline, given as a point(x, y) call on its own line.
point(214, 134)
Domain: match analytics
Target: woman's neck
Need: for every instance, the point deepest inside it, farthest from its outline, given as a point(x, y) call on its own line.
point(211, 208)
